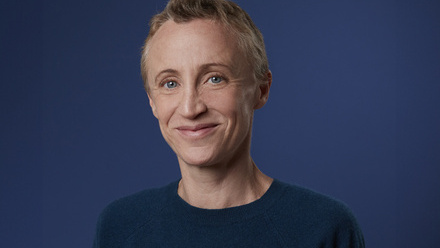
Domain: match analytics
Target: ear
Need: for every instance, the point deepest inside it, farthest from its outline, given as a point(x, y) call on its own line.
point(263, 91)
point(152, 105)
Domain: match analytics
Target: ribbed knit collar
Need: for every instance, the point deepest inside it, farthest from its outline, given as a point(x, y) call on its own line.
point(178, 208)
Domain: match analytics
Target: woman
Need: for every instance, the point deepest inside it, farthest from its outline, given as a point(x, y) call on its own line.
point(205, 71)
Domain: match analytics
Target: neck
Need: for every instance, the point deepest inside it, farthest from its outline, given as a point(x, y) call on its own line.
point(217, 187)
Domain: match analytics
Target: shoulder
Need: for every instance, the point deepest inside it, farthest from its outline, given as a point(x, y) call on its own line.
point(317, 217)
point(123, 217)
point(303, 200)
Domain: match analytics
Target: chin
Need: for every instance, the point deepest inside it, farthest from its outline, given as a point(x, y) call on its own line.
point(197, 156)
point(199, 162)
point(199, 159)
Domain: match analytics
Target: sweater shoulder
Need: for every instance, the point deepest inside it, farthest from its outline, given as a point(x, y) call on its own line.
point(302, 213)
point(138, 205)
point(306, 201)
point(124, 216)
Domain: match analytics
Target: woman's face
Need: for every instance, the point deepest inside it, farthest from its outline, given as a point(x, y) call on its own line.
point(203, 91)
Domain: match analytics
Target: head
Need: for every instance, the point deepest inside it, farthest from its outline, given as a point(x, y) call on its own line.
point(205, 71)
point(226, 13)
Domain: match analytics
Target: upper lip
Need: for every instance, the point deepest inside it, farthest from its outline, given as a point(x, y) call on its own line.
point(196, 127)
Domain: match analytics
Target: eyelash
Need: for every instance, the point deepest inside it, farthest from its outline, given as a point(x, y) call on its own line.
point(166, 81)
point(164, 84)
point(222, 79)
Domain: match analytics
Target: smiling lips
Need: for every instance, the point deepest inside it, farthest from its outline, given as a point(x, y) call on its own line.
point(197, 131)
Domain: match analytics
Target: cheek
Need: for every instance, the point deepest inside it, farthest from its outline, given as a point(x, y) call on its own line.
point(231, 103)
point(245, 99)
point(164, 109)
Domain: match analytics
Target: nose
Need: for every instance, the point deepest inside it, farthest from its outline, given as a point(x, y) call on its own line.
point(192, 104)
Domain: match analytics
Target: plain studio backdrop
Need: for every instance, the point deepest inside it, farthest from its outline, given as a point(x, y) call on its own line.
point(353, 113)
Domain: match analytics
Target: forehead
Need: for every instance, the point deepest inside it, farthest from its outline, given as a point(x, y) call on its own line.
point(192, 43)
point(190, 28)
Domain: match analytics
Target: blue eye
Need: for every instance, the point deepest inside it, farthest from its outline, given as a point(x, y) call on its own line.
point(170, 84)
point(215, 79)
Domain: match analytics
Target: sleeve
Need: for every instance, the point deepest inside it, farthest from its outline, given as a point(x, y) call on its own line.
point(109, 229)
point(121, 218)
point(98, 234)
point(346, 234)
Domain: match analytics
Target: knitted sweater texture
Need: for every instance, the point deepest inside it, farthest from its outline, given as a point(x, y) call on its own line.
point(285, 216)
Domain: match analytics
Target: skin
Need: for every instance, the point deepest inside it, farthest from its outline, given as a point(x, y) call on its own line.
point(203, 91)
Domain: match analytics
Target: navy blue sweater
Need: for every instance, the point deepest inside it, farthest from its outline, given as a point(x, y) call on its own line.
point(285, 216)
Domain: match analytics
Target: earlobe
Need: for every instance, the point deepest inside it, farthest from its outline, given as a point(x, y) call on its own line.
point(263, 91)
point(152, 105)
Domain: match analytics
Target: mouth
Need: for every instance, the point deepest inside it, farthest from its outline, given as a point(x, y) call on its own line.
point(197, 131)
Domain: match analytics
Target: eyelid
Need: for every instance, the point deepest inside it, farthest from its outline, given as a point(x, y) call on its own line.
point(164, 74)
point(216, 74)
point(166, 80)
point(211, 79)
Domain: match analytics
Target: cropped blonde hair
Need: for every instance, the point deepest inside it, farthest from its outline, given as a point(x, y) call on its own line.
point(227, 13)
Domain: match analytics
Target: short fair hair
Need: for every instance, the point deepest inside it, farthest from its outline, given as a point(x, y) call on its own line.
point(225, 12)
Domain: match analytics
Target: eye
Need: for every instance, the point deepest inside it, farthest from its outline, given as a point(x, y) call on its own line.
point(170, 84)
point(215, 79)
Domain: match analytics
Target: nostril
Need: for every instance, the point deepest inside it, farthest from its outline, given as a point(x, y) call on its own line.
point(192, 106)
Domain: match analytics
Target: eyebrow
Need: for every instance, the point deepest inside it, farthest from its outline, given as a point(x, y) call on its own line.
point(171, 71)
point(207, 66)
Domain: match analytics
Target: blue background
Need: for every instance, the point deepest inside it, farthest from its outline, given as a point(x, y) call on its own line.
point(353, 113)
